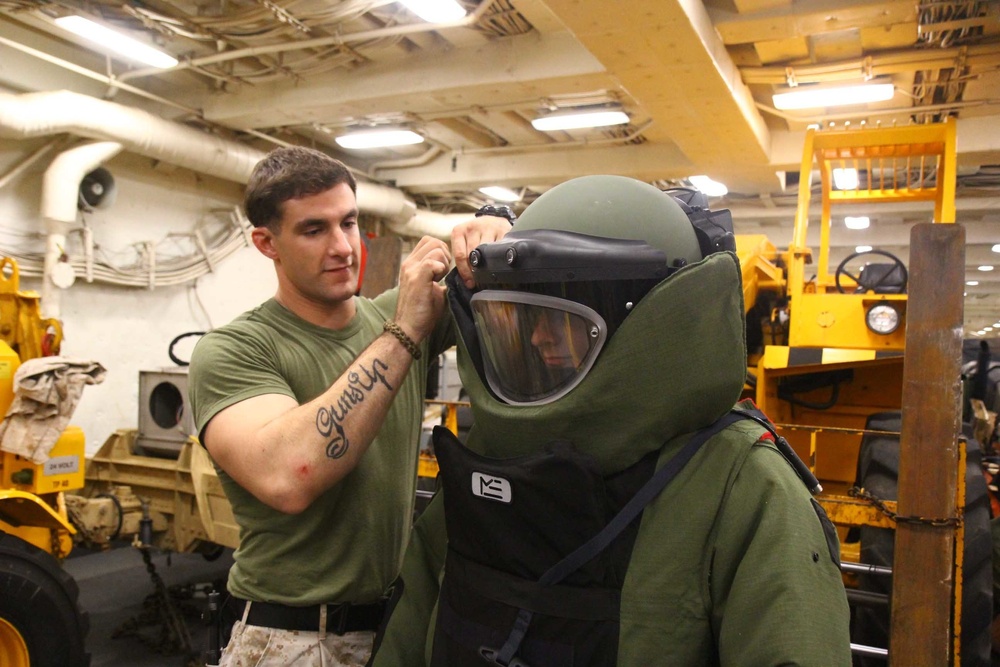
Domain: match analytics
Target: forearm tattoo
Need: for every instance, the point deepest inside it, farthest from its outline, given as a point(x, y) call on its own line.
point(329, 420)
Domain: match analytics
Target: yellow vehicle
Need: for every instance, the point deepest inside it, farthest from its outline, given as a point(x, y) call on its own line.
point(40, 621)
point(827, 366)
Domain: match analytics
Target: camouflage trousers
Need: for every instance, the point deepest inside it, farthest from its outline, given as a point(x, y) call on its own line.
point(255, 646)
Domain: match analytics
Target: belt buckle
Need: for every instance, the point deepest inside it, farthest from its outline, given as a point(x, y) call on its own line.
point(492, 656)
point(336, 618)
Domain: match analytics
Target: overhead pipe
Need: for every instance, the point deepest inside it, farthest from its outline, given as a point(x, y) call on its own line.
point(90, 74)
point(31, 115)
point(25, 163)
point(116, 84)
point(43, 114)
point(60, 194)
point(824, 117)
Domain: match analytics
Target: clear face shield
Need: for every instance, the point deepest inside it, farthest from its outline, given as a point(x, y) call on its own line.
point(536, 348)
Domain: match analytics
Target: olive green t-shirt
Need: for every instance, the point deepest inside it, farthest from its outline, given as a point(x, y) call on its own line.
point(346, 546)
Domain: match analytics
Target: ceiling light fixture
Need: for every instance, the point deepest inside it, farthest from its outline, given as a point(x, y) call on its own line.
point(575, 119)
point(812, 97)
point(996, 248)
point(857, 222)
point(845, 179)
point(971, 283)
point(707, 186)
point(378, 139)
point(986, 267)
point(500, 194)
point(131, 48)
point(435, 11)
point(862, 248)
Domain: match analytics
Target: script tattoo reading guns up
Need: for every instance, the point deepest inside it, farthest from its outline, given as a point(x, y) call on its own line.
point(329, 421)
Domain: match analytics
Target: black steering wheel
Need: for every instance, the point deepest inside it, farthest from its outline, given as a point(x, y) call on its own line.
point(842, 271)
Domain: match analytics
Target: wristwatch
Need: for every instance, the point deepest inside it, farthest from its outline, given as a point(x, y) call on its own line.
point(497, 211)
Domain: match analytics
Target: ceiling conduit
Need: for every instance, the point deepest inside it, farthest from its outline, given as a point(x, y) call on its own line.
point(31, 115)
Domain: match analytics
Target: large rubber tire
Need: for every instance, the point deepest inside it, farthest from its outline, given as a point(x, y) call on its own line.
point(878, 471)
point(38, 599)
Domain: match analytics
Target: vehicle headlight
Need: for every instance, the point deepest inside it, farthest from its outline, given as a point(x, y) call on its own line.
point(882, 319)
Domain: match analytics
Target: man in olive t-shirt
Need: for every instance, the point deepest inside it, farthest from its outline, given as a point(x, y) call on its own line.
point(310, 411)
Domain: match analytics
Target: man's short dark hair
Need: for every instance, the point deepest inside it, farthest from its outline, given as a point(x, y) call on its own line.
point(290, 173)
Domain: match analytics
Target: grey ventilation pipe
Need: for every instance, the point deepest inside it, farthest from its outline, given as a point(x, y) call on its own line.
point(47, 113)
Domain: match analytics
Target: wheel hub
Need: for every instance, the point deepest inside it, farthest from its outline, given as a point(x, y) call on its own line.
point(13, 650)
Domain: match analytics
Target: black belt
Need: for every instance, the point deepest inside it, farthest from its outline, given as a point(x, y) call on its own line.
point(340, 618)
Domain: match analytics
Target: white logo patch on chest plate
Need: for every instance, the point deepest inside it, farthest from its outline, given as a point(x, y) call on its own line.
point(493, 488)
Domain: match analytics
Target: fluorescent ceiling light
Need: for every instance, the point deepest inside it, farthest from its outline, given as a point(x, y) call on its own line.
point(116, 41)
point(500, 194)
point(862, 248)
point(574, 120)
point(857, 222)
point(971, 283)
point(810, 97)
point(845, 179)
point(435, 11)
point(986, 267)
point(996, 248)
point(707, 186)
point(378, 139)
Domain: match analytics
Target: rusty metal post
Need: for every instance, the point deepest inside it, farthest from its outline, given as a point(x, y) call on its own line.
point(928, 459)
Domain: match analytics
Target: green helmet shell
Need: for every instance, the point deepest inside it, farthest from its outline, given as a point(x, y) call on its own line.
point(615, 207)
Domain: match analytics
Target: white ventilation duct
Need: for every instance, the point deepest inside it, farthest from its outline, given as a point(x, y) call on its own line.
point(60, 193)
point(42, 114)
point(429, 223)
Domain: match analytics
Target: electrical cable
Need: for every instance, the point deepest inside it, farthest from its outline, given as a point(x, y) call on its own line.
point(170, 348)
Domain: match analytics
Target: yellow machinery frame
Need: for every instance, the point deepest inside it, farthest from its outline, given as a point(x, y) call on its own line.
point(826, 331)
point(911, 156)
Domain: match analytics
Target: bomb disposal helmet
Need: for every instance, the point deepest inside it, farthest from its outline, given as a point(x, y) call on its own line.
point(554, 290)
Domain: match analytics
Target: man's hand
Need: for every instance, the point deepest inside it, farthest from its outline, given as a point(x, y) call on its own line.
point(421, 296)
point(467, 236)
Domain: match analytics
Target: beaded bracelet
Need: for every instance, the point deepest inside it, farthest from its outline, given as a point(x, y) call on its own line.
point(400, 335)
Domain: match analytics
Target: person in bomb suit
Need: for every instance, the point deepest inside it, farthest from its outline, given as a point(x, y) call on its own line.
point(610, 506)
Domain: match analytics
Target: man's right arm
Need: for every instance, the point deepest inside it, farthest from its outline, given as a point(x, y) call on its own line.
point(287, 454)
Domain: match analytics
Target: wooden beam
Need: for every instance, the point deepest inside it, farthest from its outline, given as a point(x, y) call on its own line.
point(923, 579)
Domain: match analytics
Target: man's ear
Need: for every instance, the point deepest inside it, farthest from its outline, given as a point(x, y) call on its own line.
point(263, 240)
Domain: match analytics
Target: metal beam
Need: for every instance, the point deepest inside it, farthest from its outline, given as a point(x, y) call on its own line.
point(526, 67)
point(811, 18)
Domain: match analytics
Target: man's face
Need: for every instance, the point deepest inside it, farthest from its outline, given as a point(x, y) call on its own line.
point(560, 338)
point(317, 246)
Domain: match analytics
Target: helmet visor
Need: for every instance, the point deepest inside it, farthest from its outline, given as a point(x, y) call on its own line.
point(535, 348)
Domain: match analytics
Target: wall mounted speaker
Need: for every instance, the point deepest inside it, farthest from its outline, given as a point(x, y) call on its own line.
point(97, 190)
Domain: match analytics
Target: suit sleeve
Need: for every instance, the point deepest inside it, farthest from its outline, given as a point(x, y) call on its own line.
point(408, 634)
point(778, 597)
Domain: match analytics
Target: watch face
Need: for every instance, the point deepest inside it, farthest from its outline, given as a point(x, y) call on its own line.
point(882, 319)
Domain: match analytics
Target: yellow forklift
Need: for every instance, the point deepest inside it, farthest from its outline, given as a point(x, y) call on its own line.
point(881, 430)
